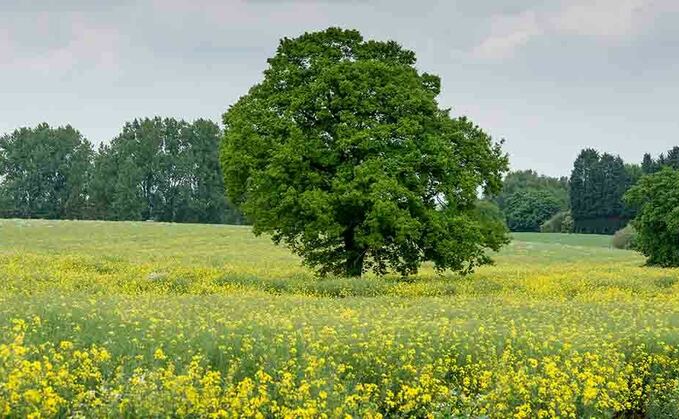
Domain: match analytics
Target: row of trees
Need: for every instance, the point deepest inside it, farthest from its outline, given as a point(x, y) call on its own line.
point(168, 170)
point(44, 172)
point(156, 169)
point(590, 201)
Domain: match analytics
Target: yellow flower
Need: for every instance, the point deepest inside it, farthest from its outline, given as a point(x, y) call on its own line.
point(159, 354)
point(66, 345)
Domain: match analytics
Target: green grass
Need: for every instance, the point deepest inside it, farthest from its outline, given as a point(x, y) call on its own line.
point(223, 246)
point(101, 257)
point(584, 240)
point(202, 244)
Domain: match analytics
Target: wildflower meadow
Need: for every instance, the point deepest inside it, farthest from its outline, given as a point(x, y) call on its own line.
point(139, 319)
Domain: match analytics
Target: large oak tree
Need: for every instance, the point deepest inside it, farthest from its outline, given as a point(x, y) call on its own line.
point(343, 154)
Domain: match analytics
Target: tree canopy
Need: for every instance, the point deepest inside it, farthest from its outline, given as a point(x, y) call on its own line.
point(164, 170)
point(669, 159)
point(44, 173)
point(597, 185)
point(656, 196)
point(343, 154)
point(156, 169)
point(525, 180)
point(528, 199)
point(527, 210)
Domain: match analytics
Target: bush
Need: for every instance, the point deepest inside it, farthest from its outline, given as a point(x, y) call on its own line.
point(561, 222)
point(656, 197)
point(624, 238)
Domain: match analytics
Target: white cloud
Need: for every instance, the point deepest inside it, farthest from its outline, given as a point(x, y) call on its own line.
point(507, 34)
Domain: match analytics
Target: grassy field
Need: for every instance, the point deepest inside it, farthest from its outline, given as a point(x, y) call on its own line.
point(103, 319)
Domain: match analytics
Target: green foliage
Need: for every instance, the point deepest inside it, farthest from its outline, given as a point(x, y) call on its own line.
point(601, 225)
point(656, 196)
point(669, 159)
point(6, 204)
point(44, 173)
point(343, 154)
point(624, 238)
point(492, 219)
point(489, 211)
point(527, 210)
point(527, 199)
point(634, 172)
point(647, 164)
point(524, 180)
point(561, 222)
point(597, 184)
point(164, 170)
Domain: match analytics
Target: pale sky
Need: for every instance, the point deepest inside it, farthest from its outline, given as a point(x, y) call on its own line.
point(550, 76)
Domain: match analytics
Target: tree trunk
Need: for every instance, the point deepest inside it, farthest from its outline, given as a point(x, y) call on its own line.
point(354, 255)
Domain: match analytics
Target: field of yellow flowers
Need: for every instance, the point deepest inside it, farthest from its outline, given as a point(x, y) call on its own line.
point(104, 319)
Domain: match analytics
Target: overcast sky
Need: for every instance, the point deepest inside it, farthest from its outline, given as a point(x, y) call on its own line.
point(551, 77)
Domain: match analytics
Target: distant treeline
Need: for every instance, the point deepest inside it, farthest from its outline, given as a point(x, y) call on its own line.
point(590, 201)
point(168, 170)
point(155, 169)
